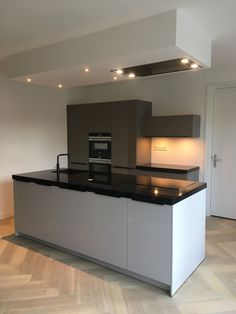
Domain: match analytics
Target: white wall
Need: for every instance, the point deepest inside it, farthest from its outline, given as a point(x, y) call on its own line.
point(32, 132)
point(180, 93)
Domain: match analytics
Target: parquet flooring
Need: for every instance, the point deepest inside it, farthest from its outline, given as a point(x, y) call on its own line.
point(37, 279)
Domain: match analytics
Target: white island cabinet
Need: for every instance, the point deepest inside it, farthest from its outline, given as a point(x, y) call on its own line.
point(34, 210)
point(149, 240)
point(160, 244)
point(73, 220)
point(109, 229)
point(167, 243)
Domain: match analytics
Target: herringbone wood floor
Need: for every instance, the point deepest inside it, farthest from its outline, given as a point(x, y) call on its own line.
point(37, 279)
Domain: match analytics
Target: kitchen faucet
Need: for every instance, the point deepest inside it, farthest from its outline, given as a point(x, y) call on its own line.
point(58, 164)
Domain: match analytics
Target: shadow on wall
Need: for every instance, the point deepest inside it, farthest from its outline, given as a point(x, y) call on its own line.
point(6, 199)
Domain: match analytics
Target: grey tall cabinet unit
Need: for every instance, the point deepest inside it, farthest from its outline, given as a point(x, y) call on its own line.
point(123, 119)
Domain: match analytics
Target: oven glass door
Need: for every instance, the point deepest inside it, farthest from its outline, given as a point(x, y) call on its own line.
point(100, 149)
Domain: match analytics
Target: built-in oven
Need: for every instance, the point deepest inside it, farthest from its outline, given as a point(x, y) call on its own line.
point(100, 153)
point(100, 145)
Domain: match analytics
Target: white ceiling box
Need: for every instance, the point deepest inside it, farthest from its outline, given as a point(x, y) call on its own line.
point(157, 38)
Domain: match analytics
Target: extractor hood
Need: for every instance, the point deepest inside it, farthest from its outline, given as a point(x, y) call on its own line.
point(162, 67)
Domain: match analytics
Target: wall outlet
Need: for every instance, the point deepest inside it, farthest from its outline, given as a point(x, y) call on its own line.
point(160, 148)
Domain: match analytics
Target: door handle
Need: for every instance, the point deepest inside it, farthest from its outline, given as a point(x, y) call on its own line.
point(214, 160)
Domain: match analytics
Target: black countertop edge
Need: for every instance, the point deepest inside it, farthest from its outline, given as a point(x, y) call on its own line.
point(170, 169)
point(35, 180)
point(165, 201)
point(189, 193)
point(95, 190)
point(101, 189)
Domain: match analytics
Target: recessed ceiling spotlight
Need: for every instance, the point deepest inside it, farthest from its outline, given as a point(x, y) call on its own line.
point(115, 78)
point(86, 70)
point(194, 65)
point(28, 79)
point(119, 71)
point(184, 60)
point(60, 86)
point(131, 75)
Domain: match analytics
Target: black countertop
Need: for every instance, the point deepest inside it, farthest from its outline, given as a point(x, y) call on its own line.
point(141, 188)
point(167, 168)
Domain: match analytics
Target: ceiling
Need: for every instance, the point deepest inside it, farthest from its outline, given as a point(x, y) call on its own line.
point(28, 24)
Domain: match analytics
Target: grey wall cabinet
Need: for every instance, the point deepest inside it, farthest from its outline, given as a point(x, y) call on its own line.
point(82, 119)
point(124, 134)
point(128, 145)
point(120, 135)
point(173, 126)
point(77, 134)
point(99, 119)
point(123, 119)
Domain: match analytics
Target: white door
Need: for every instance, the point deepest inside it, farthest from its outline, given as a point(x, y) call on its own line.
point(224, 154)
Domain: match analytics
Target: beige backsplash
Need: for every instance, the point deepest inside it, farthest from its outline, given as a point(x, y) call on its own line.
point(181, 151)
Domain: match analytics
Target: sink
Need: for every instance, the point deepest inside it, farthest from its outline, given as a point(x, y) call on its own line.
point(70, 171)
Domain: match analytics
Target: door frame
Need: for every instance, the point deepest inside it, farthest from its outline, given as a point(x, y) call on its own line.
point(209, 111)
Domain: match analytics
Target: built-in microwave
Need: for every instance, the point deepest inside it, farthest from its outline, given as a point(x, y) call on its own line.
point(100, 146)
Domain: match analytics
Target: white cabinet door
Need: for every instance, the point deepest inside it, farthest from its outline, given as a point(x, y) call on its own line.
point(110, 230)
point(34, 210)
point(188, 249)
point(74, 220)
point(149, 240)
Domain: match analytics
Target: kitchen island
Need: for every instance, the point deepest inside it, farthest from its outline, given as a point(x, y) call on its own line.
point(150, 228)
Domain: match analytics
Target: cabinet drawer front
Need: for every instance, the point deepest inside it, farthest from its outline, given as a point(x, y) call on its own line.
point(149, 240)
point(110, 230)
point(74, 220)
point(34, 210)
